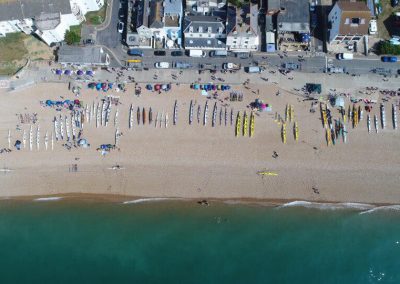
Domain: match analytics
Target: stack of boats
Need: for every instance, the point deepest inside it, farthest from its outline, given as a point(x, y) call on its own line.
point(248, 127)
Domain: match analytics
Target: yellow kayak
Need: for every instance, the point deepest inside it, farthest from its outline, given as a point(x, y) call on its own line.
point(238, 124)
point(291, 113)
point(252, 124)
point(284, 133)
point(267, 173)
point(245, 124)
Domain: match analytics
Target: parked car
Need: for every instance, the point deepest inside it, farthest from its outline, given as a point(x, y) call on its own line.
point(243, 55)
point(291, 66)
point(121, 13)
point(389, 58)
point(373, 27)
point(218, 53)
point(162, 65)
point(231, 66)
point(208, 66)
point(89, 41)
point(336, 70)
point(181, 65)
point(177, 53)
point(160, 53)
point(120, 27)
point(135, 52)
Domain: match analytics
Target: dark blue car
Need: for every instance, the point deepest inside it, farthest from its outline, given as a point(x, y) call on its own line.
point(389, 58)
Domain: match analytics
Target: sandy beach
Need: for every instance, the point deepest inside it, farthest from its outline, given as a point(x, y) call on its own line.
point(196, 161)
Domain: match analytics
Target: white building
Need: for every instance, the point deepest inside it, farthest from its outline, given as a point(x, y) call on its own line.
point(49, 19)
point(242, 28)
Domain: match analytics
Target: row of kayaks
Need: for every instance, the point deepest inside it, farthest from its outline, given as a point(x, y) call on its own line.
point(248, 126)
point(146, 117)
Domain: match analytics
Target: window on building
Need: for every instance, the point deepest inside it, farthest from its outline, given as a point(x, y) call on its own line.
point(363, 21)
point(200, 29)
point(355, 21)
point(347, 21)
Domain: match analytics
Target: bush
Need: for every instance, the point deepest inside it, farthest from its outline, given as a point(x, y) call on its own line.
point(386, 47)
point(71, 37)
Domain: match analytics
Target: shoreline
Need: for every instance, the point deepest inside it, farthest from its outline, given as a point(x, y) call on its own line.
point(126, 200)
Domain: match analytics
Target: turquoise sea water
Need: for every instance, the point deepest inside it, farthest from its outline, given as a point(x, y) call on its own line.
point(182, 242)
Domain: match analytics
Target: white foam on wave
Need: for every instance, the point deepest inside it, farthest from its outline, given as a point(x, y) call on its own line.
point(328, 206)
point(47, 199)
point(154, 199)
point(382, 208)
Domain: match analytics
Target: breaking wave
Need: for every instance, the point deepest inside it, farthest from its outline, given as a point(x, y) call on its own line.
point(47, 199)
point(155, 199)
point(328, 206)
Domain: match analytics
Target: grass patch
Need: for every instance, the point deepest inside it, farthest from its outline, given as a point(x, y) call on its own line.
point(97, 17)
point(12, 47)
point(12, 53)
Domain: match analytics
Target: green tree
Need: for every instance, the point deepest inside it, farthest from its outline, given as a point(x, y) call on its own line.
point(71, 37)
point(386, 47)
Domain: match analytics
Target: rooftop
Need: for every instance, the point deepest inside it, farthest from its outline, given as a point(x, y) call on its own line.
point(22, 9)
point(355, 17)
point(294, 16)
point(353, 6)
point(48, 21)
point(243, 20)
point(88, 55)
point(204, 23)
point(172, 7)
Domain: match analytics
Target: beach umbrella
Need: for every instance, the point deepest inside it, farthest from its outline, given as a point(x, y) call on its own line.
point(204, 93)
point(157, 87)
point(110, 85)
point(196, 86)
point(67, 72)
point(104, 86)
point(89, 73)
point(77, 102)
point(149, 87)
point(164, 87)
point(49, 103)
point(58, 71)
point(79, 73)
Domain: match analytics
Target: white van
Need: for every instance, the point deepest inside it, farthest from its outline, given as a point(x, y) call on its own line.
point(252, 69)
point(197, 53)
point(373, 27)
point(344, 56)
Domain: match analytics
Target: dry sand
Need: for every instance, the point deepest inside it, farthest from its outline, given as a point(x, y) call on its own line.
point(196, 161)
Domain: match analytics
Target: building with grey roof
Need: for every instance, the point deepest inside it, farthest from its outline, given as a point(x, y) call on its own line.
point(204, 32)
point(294, 16)
point(22, 9)
point(82, 56)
